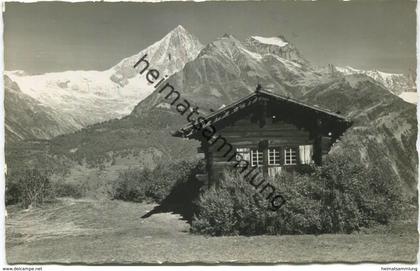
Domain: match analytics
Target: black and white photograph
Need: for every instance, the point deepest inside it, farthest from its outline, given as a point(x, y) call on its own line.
point(210, 133)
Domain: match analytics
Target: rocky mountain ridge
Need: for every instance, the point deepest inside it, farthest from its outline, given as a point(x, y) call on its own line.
point(82, 98)
point(383, 135)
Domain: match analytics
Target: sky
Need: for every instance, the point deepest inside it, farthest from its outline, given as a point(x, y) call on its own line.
point(51, 37)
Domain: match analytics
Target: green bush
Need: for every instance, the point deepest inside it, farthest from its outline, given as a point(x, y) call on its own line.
point(29, 188)
point(13, 192)
point(235, 207)
point(131, 185)
point(339, 197)
point(154, 185)
point(217, 215)
point(354, 196)
point(302, 211)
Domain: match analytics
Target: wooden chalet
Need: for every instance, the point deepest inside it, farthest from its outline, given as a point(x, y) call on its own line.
point(269, 131)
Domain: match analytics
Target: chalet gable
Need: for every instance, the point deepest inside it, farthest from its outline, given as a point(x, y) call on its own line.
point(262, 104)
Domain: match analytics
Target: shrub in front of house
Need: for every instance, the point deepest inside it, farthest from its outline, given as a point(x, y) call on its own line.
point(342, 196)
point(235, 207)
point(216, 216)
point(354, 196)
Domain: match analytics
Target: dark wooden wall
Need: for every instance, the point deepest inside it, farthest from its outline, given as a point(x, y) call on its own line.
point(245, 133)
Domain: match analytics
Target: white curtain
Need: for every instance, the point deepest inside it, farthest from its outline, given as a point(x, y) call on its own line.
point(305, 154)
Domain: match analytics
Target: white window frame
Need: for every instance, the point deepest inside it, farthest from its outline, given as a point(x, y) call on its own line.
point(274, 158)
point(259, 155)
point(290, 156)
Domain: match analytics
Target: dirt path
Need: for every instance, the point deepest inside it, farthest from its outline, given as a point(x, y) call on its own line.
point(97, 232)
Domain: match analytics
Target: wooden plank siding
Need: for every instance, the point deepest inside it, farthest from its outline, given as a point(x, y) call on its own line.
point(248, 134)
point(263, 121)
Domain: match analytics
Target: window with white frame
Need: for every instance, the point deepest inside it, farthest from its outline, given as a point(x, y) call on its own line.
point(290, 156)
point(274, 157)
point(256, 158)
point(243, 154)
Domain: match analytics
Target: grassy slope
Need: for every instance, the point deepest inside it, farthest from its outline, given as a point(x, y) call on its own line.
point(94, 156)
point(98, 232)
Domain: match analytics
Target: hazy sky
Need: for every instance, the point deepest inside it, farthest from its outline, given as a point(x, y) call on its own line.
point(46, 37)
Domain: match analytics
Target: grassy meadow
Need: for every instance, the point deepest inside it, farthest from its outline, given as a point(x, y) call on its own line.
point(105, 232)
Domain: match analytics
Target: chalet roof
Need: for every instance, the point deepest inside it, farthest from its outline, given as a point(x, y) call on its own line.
point(259, 95)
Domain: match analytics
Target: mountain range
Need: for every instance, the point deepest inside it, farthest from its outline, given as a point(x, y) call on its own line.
point(399, 84)
point(76, 99)
point(137, 133)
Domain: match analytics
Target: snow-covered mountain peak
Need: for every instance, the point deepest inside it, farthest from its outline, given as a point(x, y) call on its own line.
point(277, 41)
point(167, 55)
point(278, 46)
point(179, 28)
point(88, 97)
point(79, 98)
point(182, 34)
point(351, 70)
point(397, 83)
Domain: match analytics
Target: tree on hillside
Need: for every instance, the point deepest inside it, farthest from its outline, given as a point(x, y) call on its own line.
point(34, 187)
